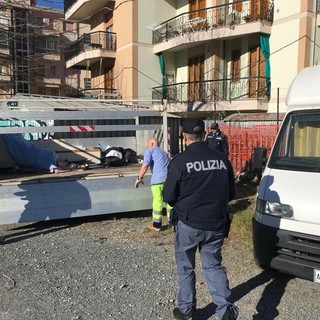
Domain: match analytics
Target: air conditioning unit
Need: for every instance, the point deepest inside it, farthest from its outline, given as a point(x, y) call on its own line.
point(231, 18)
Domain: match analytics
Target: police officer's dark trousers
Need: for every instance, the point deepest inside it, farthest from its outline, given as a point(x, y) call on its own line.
point(187, 240)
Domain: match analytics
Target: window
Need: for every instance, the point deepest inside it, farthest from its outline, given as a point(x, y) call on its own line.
point(256, 72)
point(47, 44)
point(237, 6)
point(53, 70)
point(87, 83)
point(195, 5)
point(41, 71)
point(110, 38)
point(236, 65)
point(259, 8)
point(39, 21)
point(196, 90)
point(68, 26)
point(71, 73)
point(298, 145)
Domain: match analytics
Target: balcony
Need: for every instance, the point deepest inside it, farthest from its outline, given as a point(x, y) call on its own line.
point(4, 51)
point(246, 93)
point(47, 56)
point(47, 48)
point(48, 81)
point(82, 10)
point(218, 22)
point(101, 93)
point(90, 48)
point(5, 78)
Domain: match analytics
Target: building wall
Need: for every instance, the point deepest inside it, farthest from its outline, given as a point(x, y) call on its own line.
point(291, 46)
point(137, 70)
point(5, 64)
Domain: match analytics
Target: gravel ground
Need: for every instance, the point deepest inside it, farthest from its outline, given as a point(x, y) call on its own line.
point(115, 268)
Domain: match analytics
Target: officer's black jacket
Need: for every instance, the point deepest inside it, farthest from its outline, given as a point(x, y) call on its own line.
point(199, 185)
point(218, 141)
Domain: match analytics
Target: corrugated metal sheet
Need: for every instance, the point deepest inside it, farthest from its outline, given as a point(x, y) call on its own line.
point(35, 102)
point(250, 119)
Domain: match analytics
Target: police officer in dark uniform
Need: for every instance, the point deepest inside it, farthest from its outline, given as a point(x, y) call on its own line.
point(199, 185)
point(217, 140)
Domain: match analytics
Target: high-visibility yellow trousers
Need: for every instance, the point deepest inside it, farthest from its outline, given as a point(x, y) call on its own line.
point(157, 205)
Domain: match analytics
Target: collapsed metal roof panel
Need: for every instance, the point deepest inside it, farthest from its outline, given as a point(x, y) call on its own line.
point(254, 117)
point(39, 103)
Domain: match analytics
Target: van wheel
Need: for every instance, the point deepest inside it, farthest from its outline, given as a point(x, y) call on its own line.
point(261, 265)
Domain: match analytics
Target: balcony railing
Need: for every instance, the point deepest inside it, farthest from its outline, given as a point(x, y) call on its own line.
point(89, 41)
point(213, 90)
point(212, 18)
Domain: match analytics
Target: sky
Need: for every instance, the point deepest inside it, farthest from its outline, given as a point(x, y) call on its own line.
point(57, 4)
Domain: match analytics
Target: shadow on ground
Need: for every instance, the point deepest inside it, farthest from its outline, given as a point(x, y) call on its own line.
point(266, 308)
point(35, 229)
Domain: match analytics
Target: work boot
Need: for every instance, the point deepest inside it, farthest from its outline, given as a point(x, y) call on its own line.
point(153, 228)
point(179, 315)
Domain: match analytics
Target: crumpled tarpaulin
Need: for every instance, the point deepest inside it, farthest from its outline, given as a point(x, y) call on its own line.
point(28, 155)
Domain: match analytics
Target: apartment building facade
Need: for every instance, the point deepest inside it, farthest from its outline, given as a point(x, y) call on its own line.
point(118, 50)
point(209, 56)
point(32, 42)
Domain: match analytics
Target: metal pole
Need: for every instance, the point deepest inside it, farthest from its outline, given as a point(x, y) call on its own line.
point(165, 127)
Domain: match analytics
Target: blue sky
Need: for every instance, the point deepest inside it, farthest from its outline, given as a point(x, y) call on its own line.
point(58, 4)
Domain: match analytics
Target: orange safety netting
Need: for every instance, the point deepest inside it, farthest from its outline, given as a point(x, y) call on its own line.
point(242, 142)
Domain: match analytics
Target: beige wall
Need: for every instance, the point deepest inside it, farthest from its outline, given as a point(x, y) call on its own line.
point(291, 45)
point(137, 69)
point(123, 70)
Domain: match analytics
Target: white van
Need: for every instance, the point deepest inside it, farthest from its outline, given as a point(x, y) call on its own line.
point(286, 221)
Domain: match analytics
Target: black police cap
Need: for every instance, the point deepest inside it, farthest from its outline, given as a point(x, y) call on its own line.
point(214, 125)
point(193, 126)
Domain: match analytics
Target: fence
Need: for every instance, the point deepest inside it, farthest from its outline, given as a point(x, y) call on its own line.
point(242, 142)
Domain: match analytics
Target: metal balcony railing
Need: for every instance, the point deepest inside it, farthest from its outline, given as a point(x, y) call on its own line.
point(212, 18)
point(100, 93)
point(213, 90)
point(89, 41)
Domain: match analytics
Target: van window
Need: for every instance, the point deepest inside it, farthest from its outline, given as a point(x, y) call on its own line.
point(298, 143)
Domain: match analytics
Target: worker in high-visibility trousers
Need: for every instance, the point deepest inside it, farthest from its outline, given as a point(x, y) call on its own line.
point(158, 161)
